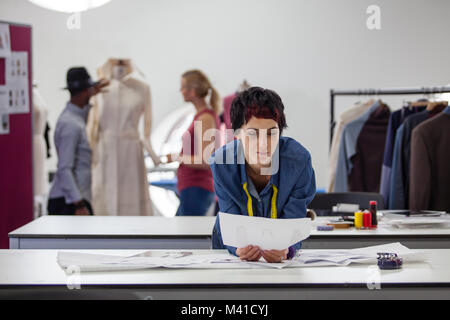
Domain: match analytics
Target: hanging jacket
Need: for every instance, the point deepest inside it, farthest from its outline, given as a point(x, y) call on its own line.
point(430, 170)
point(395, 120)
point(346, 117)
point(399, 188)
point(347, 149)
point(368, 158)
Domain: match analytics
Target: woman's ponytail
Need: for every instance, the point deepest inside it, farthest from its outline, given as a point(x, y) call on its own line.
point(215, 101)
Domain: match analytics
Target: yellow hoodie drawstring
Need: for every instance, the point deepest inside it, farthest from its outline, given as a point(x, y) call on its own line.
point(273, 209)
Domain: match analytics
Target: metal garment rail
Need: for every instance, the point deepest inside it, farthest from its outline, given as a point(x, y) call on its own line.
point(377, 92)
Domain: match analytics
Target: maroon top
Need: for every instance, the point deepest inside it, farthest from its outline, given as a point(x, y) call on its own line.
point(190, 177)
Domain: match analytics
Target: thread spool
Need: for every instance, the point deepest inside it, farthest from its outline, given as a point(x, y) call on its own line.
point(367, 220)
point(373, 211)
point(359, 221)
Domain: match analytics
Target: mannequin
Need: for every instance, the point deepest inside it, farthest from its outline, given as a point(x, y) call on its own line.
point(119, 175)
point(39, 148)
point(40, 186)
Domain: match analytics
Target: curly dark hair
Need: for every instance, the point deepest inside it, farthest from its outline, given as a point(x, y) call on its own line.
point(260, 103)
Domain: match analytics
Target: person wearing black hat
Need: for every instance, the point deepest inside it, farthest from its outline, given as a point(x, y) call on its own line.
point(70, 193)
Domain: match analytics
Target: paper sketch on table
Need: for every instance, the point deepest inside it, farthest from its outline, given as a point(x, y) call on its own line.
point(5, 41)
point(399, 221)
point(359, 256)
point(16, 76)
point(89, 262)
point(240, 231)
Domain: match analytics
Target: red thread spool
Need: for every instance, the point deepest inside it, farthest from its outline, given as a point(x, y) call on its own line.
point(367, 218)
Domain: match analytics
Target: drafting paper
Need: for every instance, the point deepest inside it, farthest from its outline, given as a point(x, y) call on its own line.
point(87, 262)
point(240, 231)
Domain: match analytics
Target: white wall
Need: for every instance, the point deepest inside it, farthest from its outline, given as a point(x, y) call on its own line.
point(300, 48)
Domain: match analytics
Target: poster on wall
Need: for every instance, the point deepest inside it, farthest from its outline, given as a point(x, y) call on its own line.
point(17, 82)
point(4, 113)
point(4, 122)
point(5, 41)
point(4, 98)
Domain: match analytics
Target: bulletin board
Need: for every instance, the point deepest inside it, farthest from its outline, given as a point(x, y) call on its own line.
point(16, 158)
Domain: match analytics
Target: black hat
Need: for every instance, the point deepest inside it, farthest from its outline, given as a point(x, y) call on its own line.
point(79, 79)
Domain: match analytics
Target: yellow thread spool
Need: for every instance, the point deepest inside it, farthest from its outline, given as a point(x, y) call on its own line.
point(359, 219)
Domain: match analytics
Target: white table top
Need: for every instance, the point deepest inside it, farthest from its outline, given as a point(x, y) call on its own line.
point(39, 267)
point(381, 230)
point(116, 226)
point(147, 227)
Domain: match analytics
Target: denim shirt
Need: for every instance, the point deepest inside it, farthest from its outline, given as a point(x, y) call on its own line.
point(292, 185)
point(73, 176)
point(447, 110)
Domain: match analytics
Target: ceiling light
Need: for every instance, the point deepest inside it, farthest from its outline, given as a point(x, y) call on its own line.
point(69, 6)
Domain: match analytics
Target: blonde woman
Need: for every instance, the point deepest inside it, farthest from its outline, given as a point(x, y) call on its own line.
point(195, 182)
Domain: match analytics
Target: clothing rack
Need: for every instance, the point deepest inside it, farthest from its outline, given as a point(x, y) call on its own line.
point(377, 92)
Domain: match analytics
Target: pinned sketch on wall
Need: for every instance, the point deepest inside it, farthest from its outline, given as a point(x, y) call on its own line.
point(240, 231)
point(5, 41)
point(17, 82)
point(4, 114)
point(4, 98)
point(4, 122)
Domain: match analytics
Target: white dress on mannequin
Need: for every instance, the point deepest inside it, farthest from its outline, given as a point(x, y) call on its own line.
point(119, 176)
point(39, 148)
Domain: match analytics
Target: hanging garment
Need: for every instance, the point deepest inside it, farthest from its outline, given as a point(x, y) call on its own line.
point(39, 148)
point(399, 187)
point(358, 110)
point(347, 149)
point(119, 176)
point(429, 186)
point(395, 120)
point(368, 158)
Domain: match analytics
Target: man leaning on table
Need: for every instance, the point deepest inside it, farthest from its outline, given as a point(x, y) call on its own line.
point(70, 193)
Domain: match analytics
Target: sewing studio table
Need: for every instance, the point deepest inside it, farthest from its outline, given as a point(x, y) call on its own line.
point(112, 232)
point(36, 272)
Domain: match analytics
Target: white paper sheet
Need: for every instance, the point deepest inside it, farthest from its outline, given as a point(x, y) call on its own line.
point(399, 221)
point(366, 255)
point(240, 231)
point(5, 41)
point(88, 262)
